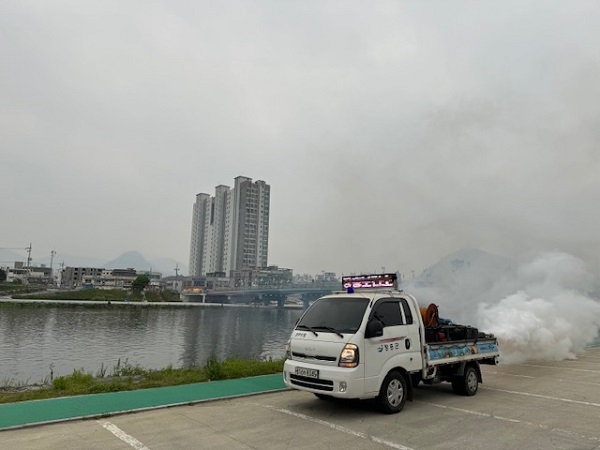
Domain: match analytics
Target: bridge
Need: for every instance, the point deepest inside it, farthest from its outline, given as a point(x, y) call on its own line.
point(261, 295)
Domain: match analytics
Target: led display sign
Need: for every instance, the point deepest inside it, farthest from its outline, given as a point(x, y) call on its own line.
point(384, 280)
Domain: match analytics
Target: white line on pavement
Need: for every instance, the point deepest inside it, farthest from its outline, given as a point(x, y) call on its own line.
point(122, 435)
point(588, 356)
point(337, 427)
point(510, 374)
point(482, 414)
point(508, 419)
point(557, 379)
point(557, 367)
point(547, 397)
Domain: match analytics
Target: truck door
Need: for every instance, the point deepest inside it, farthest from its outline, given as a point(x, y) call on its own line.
point(398, 347)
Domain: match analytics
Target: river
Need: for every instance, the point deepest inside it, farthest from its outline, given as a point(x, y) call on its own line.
point(37, 340)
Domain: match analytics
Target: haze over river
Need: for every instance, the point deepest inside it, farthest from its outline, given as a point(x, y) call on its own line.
point(37, 338)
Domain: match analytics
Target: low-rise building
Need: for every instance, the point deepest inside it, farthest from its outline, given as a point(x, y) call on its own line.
point(179, 283)
point(100, 278)
point(16, 273)
point(72, 277)
point(41, 275)
point(271, 276)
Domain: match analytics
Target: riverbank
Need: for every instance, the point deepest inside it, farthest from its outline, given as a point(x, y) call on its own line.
point(9, 289)
point(119, 296)
point(140, 304)
point(112, 295)
point(102, 303)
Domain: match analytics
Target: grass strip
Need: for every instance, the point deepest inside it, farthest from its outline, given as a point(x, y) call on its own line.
point(125, 377)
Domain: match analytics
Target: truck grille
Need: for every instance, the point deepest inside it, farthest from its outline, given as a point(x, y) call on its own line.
point(312, 383)
point(317, 357)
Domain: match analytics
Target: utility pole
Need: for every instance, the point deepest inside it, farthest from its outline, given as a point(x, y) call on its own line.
point(28, 262)
point(62, 268)
point(177, 270)
point(52, 253)
point(28, 256)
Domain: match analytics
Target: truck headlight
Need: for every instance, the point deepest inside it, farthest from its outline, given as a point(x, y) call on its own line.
point(349, 356)
point(288, 353)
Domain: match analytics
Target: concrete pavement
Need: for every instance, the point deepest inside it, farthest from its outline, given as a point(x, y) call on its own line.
point(537, 405)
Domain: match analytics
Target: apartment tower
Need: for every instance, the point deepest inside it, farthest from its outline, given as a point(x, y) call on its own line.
point(230, 231)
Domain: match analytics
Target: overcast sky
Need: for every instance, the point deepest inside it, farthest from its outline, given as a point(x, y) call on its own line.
point(391, 132)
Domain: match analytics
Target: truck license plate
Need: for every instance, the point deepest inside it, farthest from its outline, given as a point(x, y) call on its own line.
point(310, 373)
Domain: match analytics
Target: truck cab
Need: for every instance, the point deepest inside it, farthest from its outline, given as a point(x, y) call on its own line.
point(367, 341)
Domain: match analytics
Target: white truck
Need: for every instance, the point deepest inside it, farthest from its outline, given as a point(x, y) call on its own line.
point(374, 341)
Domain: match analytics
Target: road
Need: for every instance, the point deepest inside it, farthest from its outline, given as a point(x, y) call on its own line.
point(537, 405)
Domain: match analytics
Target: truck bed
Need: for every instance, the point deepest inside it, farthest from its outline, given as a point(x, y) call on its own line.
point(484, 350)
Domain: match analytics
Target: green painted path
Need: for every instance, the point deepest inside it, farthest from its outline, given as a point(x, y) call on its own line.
point(36, 412)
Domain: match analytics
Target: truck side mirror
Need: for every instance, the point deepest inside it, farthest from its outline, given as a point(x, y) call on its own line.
point(374, 329)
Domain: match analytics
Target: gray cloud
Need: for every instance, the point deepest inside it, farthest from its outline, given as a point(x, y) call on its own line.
point(391, 133)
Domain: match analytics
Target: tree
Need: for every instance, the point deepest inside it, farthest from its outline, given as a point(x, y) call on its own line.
point(140, 283)
point(2, 275)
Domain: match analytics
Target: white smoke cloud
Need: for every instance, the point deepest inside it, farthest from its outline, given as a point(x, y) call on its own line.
point(551, 317)
point(542, 310)
point(552, 328)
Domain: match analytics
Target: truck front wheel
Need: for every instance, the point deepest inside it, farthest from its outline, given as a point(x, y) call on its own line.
point(392, 395)
point(466, 384)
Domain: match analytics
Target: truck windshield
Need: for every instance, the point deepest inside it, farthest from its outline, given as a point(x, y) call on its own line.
point(342, 314)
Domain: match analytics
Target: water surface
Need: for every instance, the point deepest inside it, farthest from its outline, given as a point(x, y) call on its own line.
point(35, 340)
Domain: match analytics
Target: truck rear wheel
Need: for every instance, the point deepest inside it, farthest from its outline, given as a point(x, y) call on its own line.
point(392, 395)
point(466, 384)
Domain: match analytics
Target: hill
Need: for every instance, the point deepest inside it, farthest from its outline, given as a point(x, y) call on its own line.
point(135, 260)
point(461, 280)
point(467, 265)
point(129, 259)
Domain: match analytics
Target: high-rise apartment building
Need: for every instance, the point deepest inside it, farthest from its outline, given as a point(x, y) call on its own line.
point(230, 231)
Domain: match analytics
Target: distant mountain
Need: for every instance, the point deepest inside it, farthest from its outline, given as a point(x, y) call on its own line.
point(135, 260)
point(466, 264)
point(462, 280)
point(130, 259)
